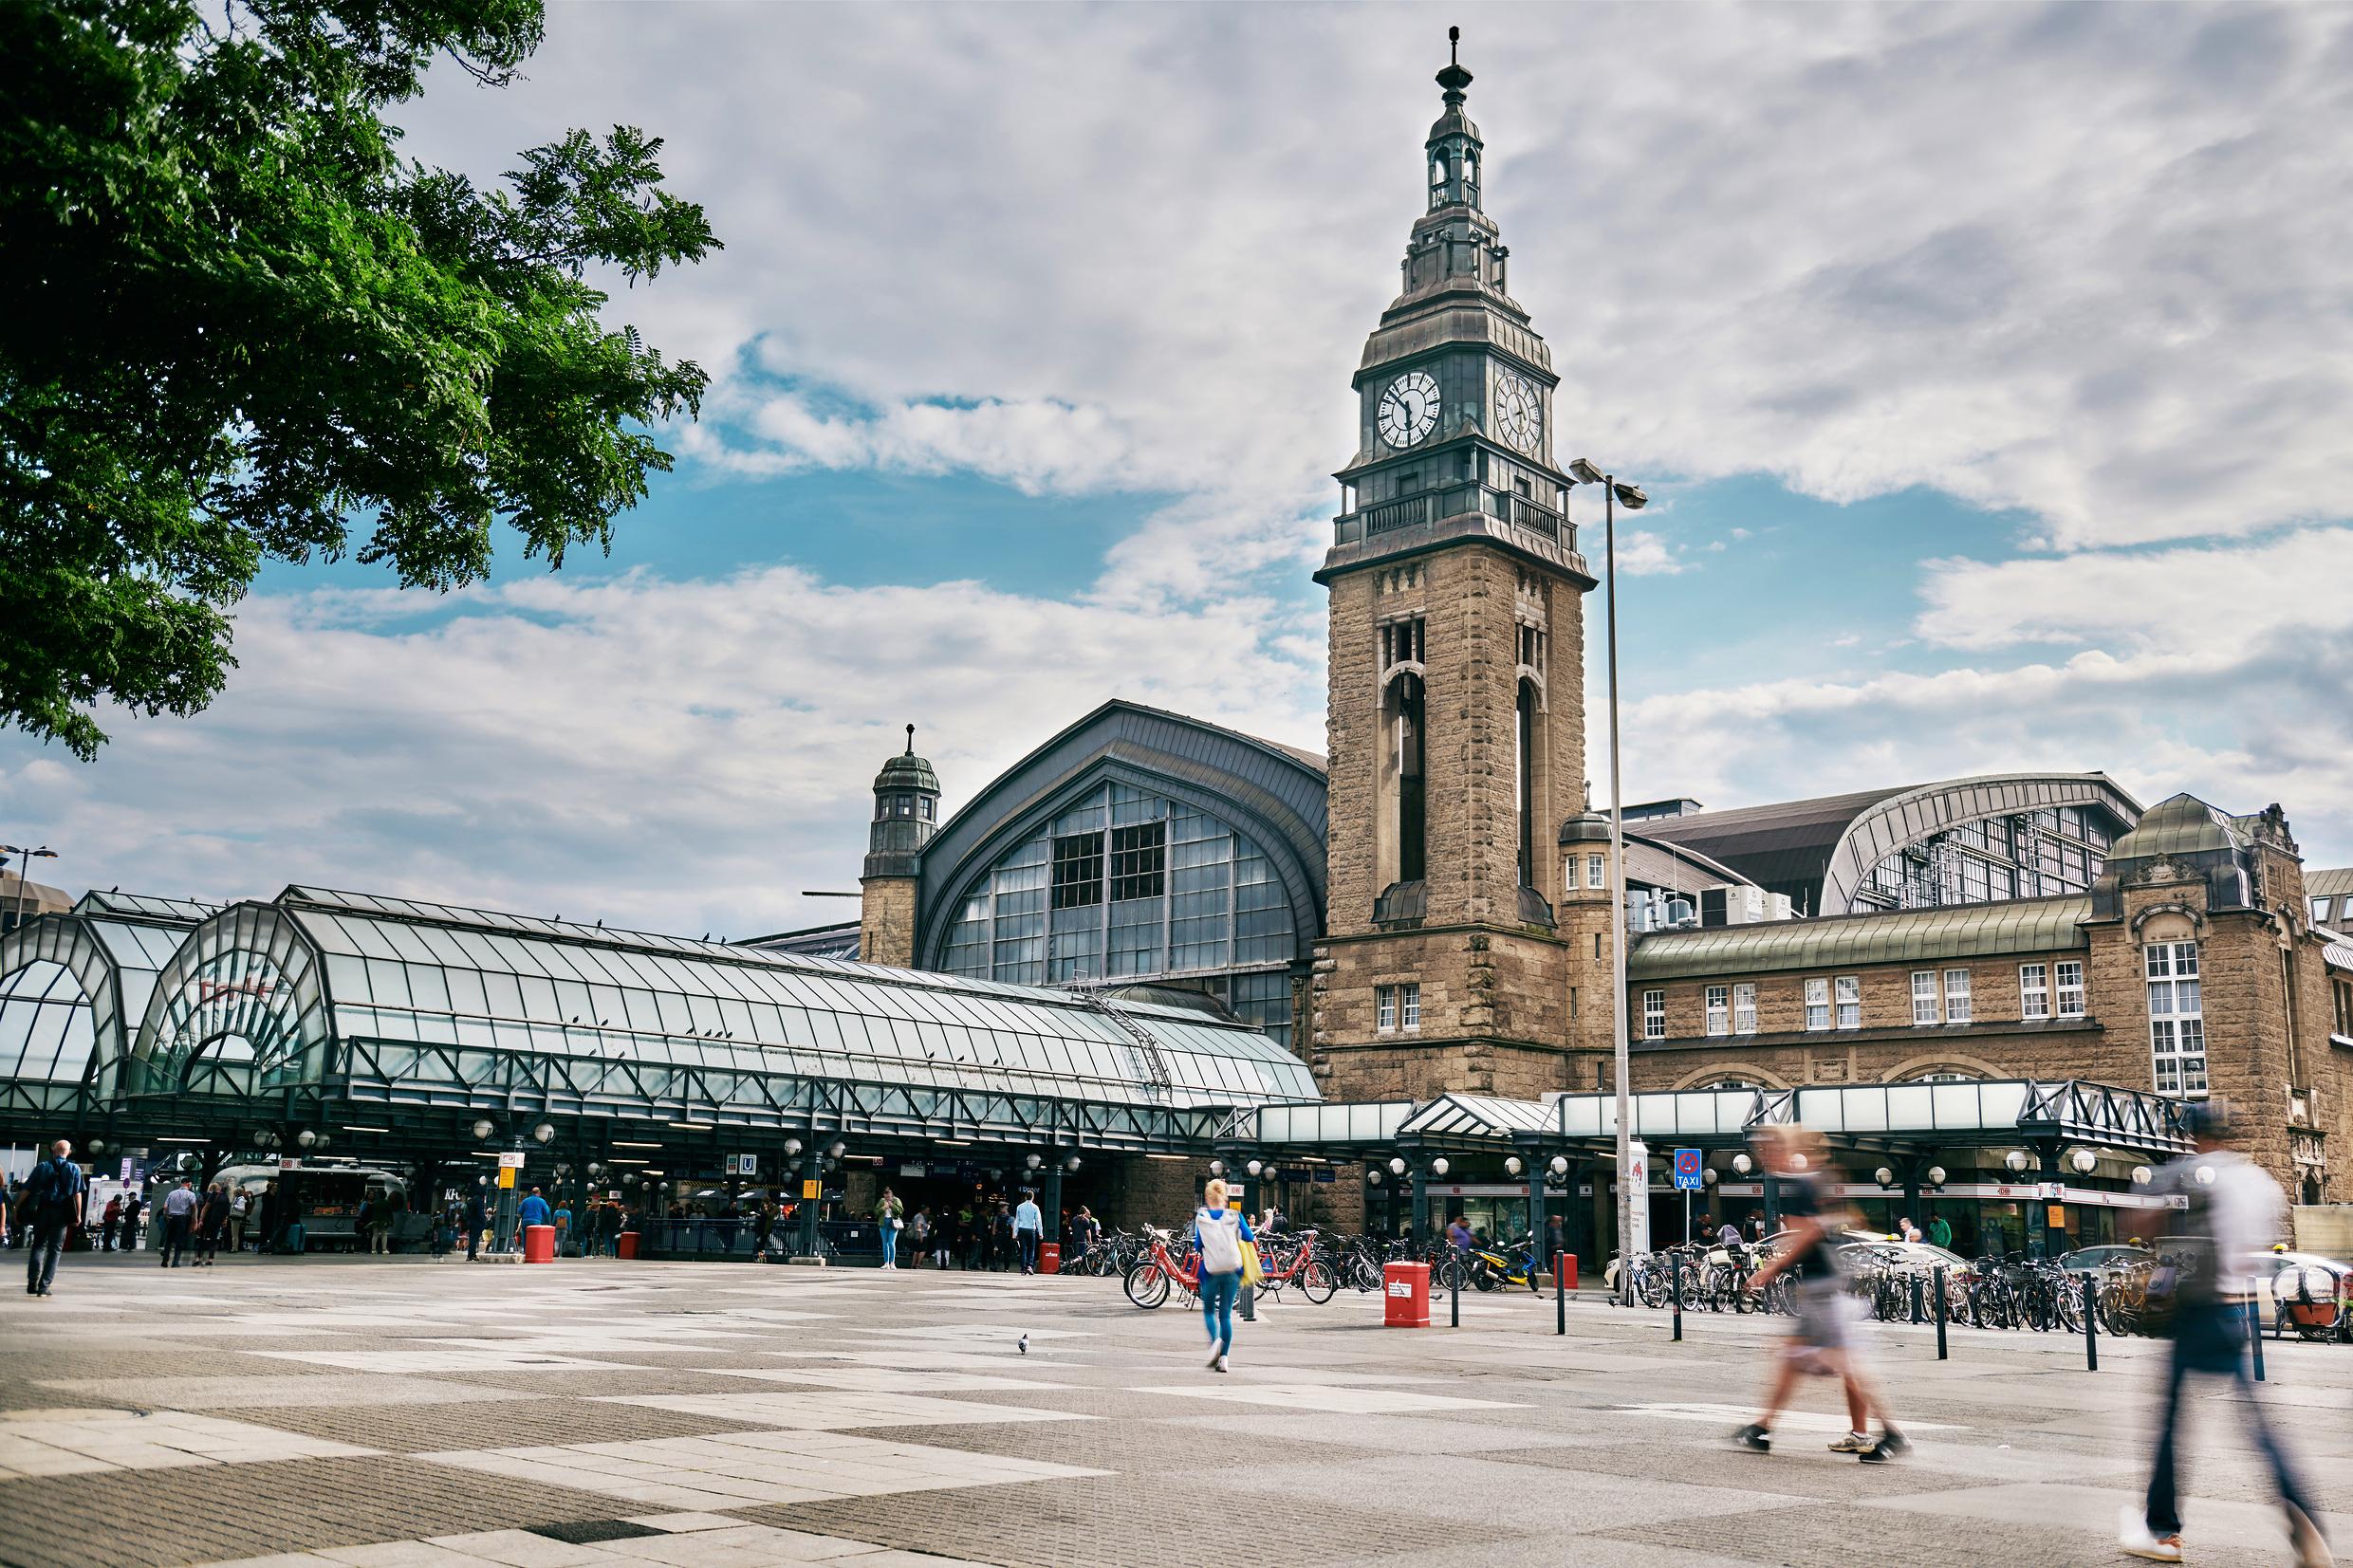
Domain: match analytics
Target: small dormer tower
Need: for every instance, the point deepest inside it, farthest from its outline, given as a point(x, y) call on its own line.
point(906, 814)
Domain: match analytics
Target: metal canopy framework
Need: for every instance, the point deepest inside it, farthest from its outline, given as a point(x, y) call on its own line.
point(72, 986)
point(1896, 1117)
point(329, 1009)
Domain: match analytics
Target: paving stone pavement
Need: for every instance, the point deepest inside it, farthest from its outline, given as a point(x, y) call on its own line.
point(401, 1414)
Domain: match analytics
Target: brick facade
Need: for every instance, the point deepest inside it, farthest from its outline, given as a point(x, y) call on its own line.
point(886, 912)
point(2265, 995)
point(1492, 989)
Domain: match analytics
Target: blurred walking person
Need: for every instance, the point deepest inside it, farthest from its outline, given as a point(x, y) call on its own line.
point(212, 1221)
point(2234, 1213)
point(1820, 1339)
point(1219, 1233)
point(52, 1197)
point(180, 1218)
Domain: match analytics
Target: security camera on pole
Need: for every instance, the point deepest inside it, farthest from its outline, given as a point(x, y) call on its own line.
point(1613, 496)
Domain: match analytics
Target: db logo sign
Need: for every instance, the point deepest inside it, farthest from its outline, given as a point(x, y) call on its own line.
point(1404, 1290)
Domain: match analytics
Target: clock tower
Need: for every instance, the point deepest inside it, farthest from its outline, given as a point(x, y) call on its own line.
point(1456, 704)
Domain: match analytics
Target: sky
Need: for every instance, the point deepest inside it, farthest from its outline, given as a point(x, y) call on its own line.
point(1990, 369)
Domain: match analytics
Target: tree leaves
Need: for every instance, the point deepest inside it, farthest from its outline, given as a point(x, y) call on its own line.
point(243, 328)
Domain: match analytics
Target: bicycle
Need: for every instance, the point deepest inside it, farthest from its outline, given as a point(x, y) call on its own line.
point(1149, 1280)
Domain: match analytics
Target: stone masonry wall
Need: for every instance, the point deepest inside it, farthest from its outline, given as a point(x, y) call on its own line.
point(887, 921)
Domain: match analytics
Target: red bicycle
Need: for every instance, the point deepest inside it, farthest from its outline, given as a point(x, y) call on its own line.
point(1159, 1270)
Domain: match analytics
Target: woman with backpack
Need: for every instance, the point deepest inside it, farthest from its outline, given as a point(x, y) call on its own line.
point(1219, 1233)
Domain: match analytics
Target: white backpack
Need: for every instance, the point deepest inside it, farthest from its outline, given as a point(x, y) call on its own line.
point(1221, 1241)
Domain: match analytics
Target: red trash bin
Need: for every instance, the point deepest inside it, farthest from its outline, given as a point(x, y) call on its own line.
point(1049, 1257)
point(626, 1244)
point(539, 1244)
point(1405, 1291)
point(1565, 1271)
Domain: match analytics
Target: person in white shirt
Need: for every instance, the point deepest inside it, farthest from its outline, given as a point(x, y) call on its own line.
point(179, 1213)
point(2235, 1211)
point(1029, 1230)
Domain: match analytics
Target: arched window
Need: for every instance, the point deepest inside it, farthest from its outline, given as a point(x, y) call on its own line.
point(1407, 763)
point(1437, 179)
point(1523, 779)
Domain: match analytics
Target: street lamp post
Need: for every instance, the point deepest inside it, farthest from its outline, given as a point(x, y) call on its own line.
point(1613, 493)
point(25, 858)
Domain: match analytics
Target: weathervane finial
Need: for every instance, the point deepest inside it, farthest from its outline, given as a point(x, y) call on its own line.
point(1454, 46)
point(910, 740)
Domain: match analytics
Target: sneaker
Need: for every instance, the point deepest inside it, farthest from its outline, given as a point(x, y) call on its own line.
point(1851, 1443)
point(1754, 1438)
point(2134, 1536)
point(2311, 1546)
point(1221, 1365)
point(1882, 1448)
point(1217, 1360)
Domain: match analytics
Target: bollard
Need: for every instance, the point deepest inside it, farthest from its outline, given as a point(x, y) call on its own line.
point(2091, 1325)
point(1940, 1311)
point(1674, 1263)
point(1919, 1312)
point(2255, 1336)
point(1454, 1297)
point(1560, 1299)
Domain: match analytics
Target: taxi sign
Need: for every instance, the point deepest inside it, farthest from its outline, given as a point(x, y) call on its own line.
point(1687, 1176)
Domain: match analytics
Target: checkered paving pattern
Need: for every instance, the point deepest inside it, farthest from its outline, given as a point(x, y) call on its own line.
point(404, 1415)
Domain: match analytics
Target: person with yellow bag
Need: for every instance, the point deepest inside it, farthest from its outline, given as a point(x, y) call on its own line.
point(1227, 1248)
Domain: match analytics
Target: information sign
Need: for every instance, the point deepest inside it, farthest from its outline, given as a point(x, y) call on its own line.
point(811, 1190)
point(511, 1160)
point(1687, 1177)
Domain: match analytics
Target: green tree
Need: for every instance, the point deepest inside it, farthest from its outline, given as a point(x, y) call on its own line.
point(240, 328)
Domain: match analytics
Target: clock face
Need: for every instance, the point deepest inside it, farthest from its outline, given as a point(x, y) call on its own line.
point(1409, 408)
point(1519, 411)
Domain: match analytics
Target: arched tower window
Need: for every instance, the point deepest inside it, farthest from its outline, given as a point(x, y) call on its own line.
point(1525, 737)
point(1408, 747)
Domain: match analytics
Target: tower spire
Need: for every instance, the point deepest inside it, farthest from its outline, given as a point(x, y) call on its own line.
point(1453, 77)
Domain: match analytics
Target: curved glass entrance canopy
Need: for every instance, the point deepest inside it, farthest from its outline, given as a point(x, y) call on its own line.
point(264, 1013)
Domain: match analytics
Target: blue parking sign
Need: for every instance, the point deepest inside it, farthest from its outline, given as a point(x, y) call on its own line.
point(1687, 1178)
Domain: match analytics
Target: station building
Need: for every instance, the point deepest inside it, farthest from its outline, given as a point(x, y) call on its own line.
point(1383, 974)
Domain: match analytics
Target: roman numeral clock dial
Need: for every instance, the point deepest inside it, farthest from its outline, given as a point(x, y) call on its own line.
point(1409, 408)
point(1519, 412)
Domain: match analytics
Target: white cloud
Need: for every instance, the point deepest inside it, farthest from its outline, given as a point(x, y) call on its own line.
point(2220, 669)
point(1641, 554)
point(679, 755)
point(2085, 262)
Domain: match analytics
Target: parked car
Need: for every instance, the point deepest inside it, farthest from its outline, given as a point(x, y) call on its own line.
point(2305, 1294)
point(2091, 1260)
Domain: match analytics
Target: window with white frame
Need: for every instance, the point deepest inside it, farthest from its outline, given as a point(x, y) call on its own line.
point(1385, 1006)
point(2068, 976)
point(1719, 1010)
point(1744, 1007)
point(1597, 871)
point(1849, 1001)
point(1817, 1004)
point(1654, 1015)
point(1409, 1007)
point(1924, 996)
point(1956, 1007)
point(2033, 990)
point(2176, 1017)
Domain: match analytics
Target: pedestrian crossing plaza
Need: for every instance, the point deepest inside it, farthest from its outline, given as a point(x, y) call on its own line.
point(404, 1411)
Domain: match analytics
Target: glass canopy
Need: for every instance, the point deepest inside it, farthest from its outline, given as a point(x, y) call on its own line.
point(73, 986)
point(436, 989)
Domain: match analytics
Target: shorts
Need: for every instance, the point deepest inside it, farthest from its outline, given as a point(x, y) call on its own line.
point(1822, 1316)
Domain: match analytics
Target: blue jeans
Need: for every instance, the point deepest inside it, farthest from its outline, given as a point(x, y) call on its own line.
point(1028, 1240)
point(48, 1240)
point(890, 1244)
point(2213, 1340)
point(1218, 1296)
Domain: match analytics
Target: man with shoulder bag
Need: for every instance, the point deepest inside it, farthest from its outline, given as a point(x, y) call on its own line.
point(53, 1196)
point(2202, 1294)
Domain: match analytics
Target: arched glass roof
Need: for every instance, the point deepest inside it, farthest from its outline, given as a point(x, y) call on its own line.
point(425, 981)
point(72, 986)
